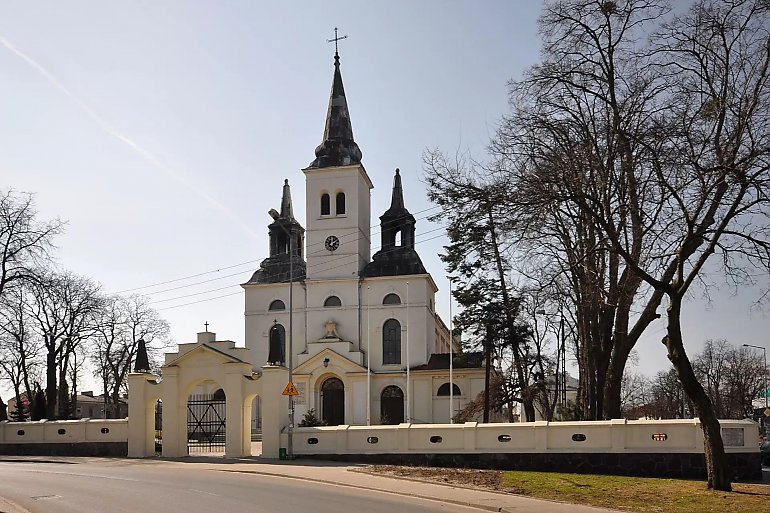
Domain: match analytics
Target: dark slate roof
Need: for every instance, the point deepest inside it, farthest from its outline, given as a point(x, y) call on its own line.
point(142, 362)
point(338, 147)
point(276, 270)
point(440, 361)
point(395, 261)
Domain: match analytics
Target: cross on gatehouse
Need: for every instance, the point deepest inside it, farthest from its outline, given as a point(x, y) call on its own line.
point(335, 40)
point(206, 324)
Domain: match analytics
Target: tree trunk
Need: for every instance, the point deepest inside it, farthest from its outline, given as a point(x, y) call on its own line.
point(717, 467)
point(50, 381)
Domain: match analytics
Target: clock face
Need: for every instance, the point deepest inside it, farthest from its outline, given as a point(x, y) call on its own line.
point(332, 243)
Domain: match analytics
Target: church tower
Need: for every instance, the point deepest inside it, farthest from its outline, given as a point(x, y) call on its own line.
point(397, 256)
point(284, 232)
point(337, 196)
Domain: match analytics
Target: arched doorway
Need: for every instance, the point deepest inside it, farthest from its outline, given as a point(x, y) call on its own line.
point(206, 422)
point(333, 402)
point(392, 405)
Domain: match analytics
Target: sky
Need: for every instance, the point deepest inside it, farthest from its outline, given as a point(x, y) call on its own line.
point(162, 133)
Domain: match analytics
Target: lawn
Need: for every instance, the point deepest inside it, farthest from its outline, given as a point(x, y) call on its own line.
point(638, 494)
point(644, 495)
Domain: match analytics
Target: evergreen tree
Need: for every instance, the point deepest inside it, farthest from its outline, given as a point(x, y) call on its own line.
point(21, 412)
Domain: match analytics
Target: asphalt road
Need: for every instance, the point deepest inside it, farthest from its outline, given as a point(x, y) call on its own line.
point(117, 486)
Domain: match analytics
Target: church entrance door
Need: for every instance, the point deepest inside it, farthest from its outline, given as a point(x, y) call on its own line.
point(333, 401)
point(392, 405)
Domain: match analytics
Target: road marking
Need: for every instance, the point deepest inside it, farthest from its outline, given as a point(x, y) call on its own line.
point(204, 492)
point(45, 497)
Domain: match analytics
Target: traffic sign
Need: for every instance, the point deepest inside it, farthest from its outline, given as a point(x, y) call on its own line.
point(290, 389)
point(767, 412)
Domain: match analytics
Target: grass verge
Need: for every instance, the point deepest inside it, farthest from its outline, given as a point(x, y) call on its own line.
point(638, 494)
point(642, 495)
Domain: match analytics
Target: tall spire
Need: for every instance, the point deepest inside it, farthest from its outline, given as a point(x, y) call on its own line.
point(397, 199)
point(287, 212)
point(338, 147)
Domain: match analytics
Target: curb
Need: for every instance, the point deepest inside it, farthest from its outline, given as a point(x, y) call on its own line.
point(373, 489)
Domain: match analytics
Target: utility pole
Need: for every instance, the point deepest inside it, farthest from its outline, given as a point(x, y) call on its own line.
point(290, 444)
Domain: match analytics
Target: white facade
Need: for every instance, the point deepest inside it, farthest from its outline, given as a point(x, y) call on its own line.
point(338, 321)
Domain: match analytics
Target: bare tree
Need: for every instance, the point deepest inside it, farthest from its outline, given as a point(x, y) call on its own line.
point(122, 323)
point(63, 309)
point(20, 346)
point(662, 148)
point(24, 240)
point(732, 377)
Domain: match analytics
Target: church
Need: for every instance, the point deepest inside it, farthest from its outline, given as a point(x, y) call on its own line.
point(360, 332)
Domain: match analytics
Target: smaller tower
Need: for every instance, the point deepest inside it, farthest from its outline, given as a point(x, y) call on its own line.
point(397, 255)
point(283, 230)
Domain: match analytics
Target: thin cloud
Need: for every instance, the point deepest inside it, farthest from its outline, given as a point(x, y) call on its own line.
point(111, 130)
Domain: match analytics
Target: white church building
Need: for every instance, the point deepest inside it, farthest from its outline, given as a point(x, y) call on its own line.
point(360, 331)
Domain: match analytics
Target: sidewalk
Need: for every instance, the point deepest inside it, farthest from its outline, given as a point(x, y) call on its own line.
point(347, 475)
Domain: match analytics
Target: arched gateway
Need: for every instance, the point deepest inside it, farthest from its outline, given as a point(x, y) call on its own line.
point(207, 390)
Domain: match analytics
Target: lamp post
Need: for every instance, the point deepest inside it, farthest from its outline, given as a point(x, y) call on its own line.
point(764, 374)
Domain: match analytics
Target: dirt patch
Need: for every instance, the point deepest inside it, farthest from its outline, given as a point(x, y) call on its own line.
point(488, 479)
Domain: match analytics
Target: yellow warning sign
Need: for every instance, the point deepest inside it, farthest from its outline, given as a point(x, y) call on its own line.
point(290, 389)
point(767, 412)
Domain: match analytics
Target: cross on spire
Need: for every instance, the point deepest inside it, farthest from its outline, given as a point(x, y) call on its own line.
point(206, 324)
point(335, 40)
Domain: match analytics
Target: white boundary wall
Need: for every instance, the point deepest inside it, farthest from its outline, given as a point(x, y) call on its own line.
point(64, 431)
point(613, 436)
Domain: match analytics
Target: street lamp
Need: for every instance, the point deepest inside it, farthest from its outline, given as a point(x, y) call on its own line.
point(764, 374)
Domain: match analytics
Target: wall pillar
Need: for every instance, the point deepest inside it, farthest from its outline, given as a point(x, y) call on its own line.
point(141, 421)
point(235, 433)
point(274, 408)
point(174, 416)
point(618, 432)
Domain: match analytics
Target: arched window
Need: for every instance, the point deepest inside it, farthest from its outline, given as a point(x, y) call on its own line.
point(444, 389)
point(219, 395)
point(391, 342)
point(277, 349)
point(277, 305)
point(392, 405)
point(340, 203)
point(391, 299)
point(332, 301)
point(325, 204)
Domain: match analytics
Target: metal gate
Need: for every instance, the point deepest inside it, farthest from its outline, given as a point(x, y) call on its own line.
point(206, 424)
point(158, 427)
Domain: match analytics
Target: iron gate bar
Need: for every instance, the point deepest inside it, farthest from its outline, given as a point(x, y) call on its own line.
point(206, 426)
